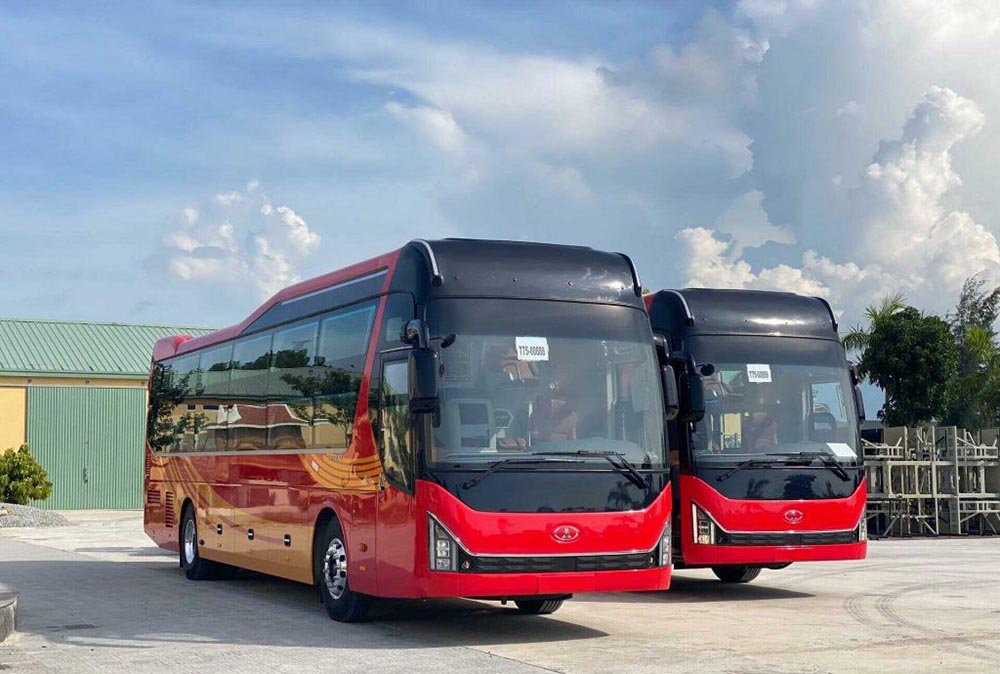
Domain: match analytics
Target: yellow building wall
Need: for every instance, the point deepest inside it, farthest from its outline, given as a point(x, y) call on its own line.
point(13, 416)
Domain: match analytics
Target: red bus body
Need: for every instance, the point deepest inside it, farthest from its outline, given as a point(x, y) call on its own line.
point(260, 507)
point(774, 516)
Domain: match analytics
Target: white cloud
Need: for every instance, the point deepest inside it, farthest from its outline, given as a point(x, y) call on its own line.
point(746, 221)
point(911, 240)
point(776, 121)
point(238, 238)
point(437, 126)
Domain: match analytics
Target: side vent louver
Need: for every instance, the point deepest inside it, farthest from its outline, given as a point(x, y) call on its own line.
point(169, 515)
point(153, 497)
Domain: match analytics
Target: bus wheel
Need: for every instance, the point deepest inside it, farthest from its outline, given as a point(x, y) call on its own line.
point(736, 574)
point(538, 606)
point(330, 569)
point(196, 568)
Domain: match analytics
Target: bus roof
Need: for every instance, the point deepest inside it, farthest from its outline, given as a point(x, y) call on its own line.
point(445, 268)
point(706, 311)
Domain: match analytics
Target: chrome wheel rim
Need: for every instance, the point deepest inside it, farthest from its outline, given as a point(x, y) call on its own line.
point(335, 569)
point(189, 545)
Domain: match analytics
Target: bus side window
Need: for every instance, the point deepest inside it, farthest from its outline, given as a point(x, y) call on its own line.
point(245, 415)
point(395, 441)
point(290, 387)
point(215, 367)
point(184, 381)
point(340, 364)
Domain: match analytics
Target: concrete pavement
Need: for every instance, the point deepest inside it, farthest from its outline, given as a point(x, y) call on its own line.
point(97, 597)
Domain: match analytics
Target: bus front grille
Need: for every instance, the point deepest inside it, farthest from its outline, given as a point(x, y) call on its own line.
point(767, 538)
point(562, 564)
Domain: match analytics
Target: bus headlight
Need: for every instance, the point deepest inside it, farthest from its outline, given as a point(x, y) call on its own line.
point(863, 530)
point(665, 543)
point(703, 526)
point(442, 549)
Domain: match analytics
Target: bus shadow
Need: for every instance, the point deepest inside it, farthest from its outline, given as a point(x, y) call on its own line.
point(131, 551)
point(96, 603)
point(687, 590)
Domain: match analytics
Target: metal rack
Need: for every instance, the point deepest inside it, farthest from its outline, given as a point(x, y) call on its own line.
point(938, 480)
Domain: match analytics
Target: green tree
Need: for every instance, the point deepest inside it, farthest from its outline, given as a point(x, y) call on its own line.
point(890, 305)
point(913, 358)
point(973, 405)
point(21, 478)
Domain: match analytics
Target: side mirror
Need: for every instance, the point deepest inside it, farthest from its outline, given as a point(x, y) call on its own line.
point(692, 397)
point(859, 401)
point(423, 371)
point(672, 403)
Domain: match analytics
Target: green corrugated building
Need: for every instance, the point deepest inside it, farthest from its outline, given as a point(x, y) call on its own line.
point(76, 392)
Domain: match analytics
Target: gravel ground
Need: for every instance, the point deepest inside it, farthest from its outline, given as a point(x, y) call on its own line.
point(25, 516)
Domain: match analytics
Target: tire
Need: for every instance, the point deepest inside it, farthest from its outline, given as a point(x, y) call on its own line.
point(736, 574)
point(196, 568)
point(330, 573)
point(538, 606)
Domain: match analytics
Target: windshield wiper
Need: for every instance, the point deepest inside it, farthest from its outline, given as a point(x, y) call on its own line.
point(469, 484)
point(825, 459)
point(616, 459)
point(740, 466)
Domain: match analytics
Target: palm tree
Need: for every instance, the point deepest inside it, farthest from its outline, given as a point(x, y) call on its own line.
point(857, 339)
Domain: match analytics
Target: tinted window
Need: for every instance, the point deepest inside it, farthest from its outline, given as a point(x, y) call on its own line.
point(177, 426)
point(339, 295)
point(290, 388)
point(395, 442)
point(245, 416)
point(398, 310)
point(343, 345)
point(215, 367)
point(164, 396)
point(251, 359)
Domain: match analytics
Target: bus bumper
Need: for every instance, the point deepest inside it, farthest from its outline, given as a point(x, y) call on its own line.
point(500, 585)
point(718, 555)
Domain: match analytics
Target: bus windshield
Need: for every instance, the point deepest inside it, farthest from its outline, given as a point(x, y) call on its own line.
point(774, 399)
point(523, 378)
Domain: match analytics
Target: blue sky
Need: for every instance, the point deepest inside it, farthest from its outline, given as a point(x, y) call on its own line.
point(176, 162)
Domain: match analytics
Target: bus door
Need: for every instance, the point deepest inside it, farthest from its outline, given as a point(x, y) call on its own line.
point(396, 518)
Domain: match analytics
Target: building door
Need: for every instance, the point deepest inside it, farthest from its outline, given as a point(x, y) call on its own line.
point(89, 439)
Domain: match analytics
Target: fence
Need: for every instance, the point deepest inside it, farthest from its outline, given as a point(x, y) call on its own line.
point(933, 481)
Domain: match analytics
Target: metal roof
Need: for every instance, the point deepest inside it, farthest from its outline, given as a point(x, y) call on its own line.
point(68, 348)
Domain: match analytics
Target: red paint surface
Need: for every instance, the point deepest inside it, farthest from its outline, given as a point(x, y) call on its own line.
point(759, 515)
point(486, 533)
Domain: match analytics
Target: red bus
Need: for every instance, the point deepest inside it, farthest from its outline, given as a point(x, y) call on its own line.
point(481, 419)
point(766, 452)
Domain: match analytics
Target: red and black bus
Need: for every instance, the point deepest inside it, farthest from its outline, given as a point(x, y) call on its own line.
point(767, 458)
point(464, 418)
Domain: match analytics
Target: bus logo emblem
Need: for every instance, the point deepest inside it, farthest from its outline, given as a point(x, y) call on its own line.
point(794, 516)
point(565, 533)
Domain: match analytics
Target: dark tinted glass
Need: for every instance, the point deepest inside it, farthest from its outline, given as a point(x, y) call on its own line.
point(312, 303)
point(215, 367)
point(245, 417)
point(395, 442)
point(173, 426)
point(343, 346)
point(290, 387)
